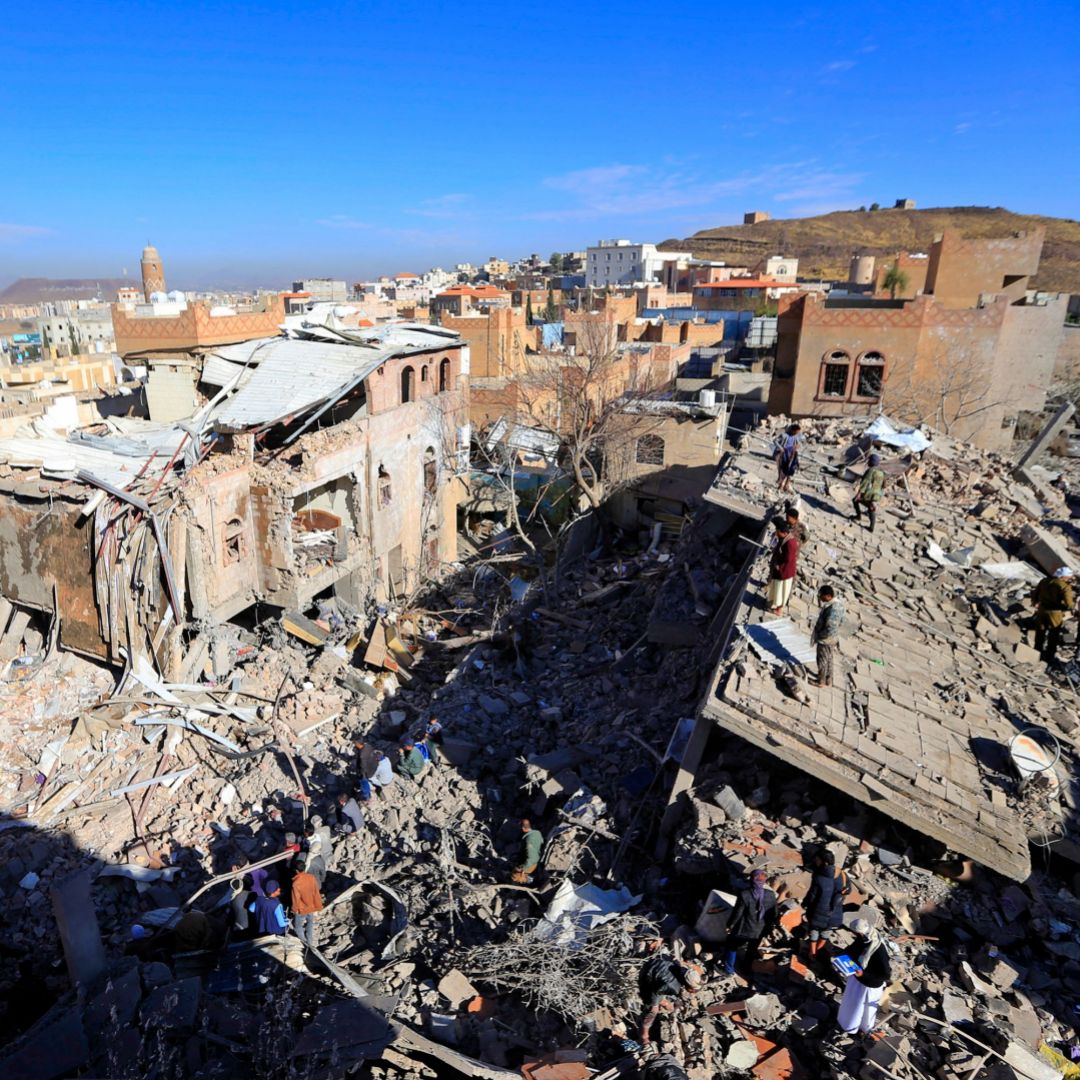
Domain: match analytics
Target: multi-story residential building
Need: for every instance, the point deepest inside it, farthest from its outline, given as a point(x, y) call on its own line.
point(966, 356)
point(619, 262)
point(323, 289)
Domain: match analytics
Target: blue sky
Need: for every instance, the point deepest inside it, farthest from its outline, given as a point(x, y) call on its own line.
point(255, 143)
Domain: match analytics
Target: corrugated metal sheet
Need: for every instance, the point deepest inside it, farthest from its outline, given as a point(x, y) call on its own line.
point(780, 639)
point(58, 458)
point(292, 377)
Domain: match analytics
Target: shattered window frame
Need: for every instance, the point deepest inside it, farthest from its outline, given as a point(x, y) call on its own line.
point(832, 365)
point(871, 366)
point(649, 450)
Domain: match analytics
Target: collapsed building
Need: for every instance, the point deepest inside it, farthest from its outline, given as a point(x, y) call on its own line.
point(320, 461)
point(943, 704)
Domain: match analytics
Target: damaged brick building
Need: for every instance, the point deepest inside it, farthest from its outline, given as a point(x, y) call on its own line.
point(324, 460)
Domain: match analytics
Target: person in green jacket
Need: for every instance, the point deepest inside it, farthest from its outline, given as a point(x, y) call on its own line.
point(1054, 599)
point(412, 762)
point(532, 844)
point(869, 491)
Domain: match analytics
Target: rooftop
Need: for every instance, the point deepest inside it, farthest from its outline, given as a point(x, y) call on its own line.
point(934, 677)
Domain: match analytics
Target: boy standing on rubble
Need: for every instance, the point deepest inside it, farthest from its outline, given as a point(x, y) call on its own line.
point(864, 989)
point(826, 634)
point(269, 914)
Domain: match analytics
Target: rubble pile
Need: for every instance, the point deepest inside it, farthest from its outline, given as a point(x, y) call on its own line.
point(571, 709)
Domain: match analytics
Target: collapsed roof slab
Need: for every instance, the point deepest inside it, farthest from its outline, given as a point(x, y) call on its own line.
point(915, 705)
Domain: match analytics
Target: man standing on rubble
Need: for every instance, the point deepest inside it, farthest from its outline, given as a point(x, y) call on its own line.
point(868, 494)
point(411, 763)
point(1054, 602)
point(306, 903)
point(532, 844)
point(826, 634)
point(824, 903)
point(383, 777)
point(864, 989)
point(782, 563)
point(753, 916)
point(269, 914)
point(661, 979)
point(367, 762)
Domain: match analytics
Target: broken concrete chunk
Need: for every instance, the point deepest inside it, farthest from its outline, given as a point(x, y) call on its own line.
point(741, 1054)
point(456, 988)
point(730, 803)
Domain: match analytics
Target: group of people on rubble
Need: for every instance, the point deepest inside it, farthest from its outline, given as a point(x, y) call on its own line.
point(289, 893)
point(668, 975)
point(1055, 600)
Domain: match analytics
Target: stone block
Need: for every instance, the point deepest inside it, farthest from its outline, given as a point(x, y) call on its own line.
point(730, 803)
point(456, 988)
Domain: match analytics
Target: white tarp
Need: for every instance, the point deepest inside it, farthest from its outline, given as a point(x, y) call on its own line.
point(910, 439)
point(577, 909)
point(1012, 571)
point(952, 560)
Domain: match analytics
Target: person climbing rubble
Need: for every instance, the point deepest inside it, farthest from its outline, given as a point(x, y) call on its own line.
point(306, 904)
point(1054, 603)
point(826, 634)
point(782, 565)
point(532, 844)
point(654, 1066)
point(268, 911)
point(428, 740)
point(753, 916)
point(349, 817)
point(868, 493)
point(824, 903)
point(661, 981)
point(865, 987)
point(411, 763)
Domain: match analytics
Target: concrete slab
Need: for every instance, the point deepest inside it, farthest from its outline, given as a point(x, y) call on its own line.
point(54, 1047)
point(885, 733)
point(77, 922)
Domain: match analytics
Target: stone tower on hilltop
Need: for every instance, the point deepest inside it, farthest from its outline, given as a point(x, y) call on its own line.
point(153, 274)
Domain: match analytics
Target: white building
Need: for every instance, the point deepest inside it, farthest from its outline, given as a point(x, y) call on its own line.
point(780, 268)
point(87, 330)
point(323, 289)
point(618, 262)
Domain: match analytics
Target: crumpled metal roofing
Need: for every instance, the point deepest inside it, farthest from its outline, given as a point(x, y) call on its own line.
point(294, 375)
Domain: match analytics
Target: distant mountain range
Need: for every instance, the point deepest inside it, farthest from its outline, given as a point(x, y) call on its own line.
point(37, 290)
point(824, 244)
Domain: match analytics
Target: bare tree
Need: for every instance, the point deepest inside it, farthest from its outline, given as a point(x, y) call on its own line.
point(950, 393)
point(581, 400)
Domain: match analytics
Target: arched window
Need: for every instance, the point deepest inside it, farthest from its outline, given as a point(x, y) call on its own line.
point(408, 384)
point(649, 450)
point(385, 495)
point(431, 470)
point(444, 376)
point(233, 546)
point(871, 375)
point(834, 374)
point(423, 373)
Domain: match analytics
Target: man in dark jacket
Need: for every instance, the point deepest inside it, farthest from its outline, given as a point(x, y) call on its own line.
point(661, 979)
point(753, 917)
point(826, 635)
point(824, 904)
point(269, 914)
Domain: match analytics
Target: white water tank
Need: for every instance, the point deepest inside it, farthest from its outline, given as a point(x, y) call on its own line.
point(707, 399)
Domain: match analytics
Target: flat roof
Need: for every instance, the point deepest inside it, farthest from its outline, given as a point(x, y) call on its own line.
point(915, 725)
